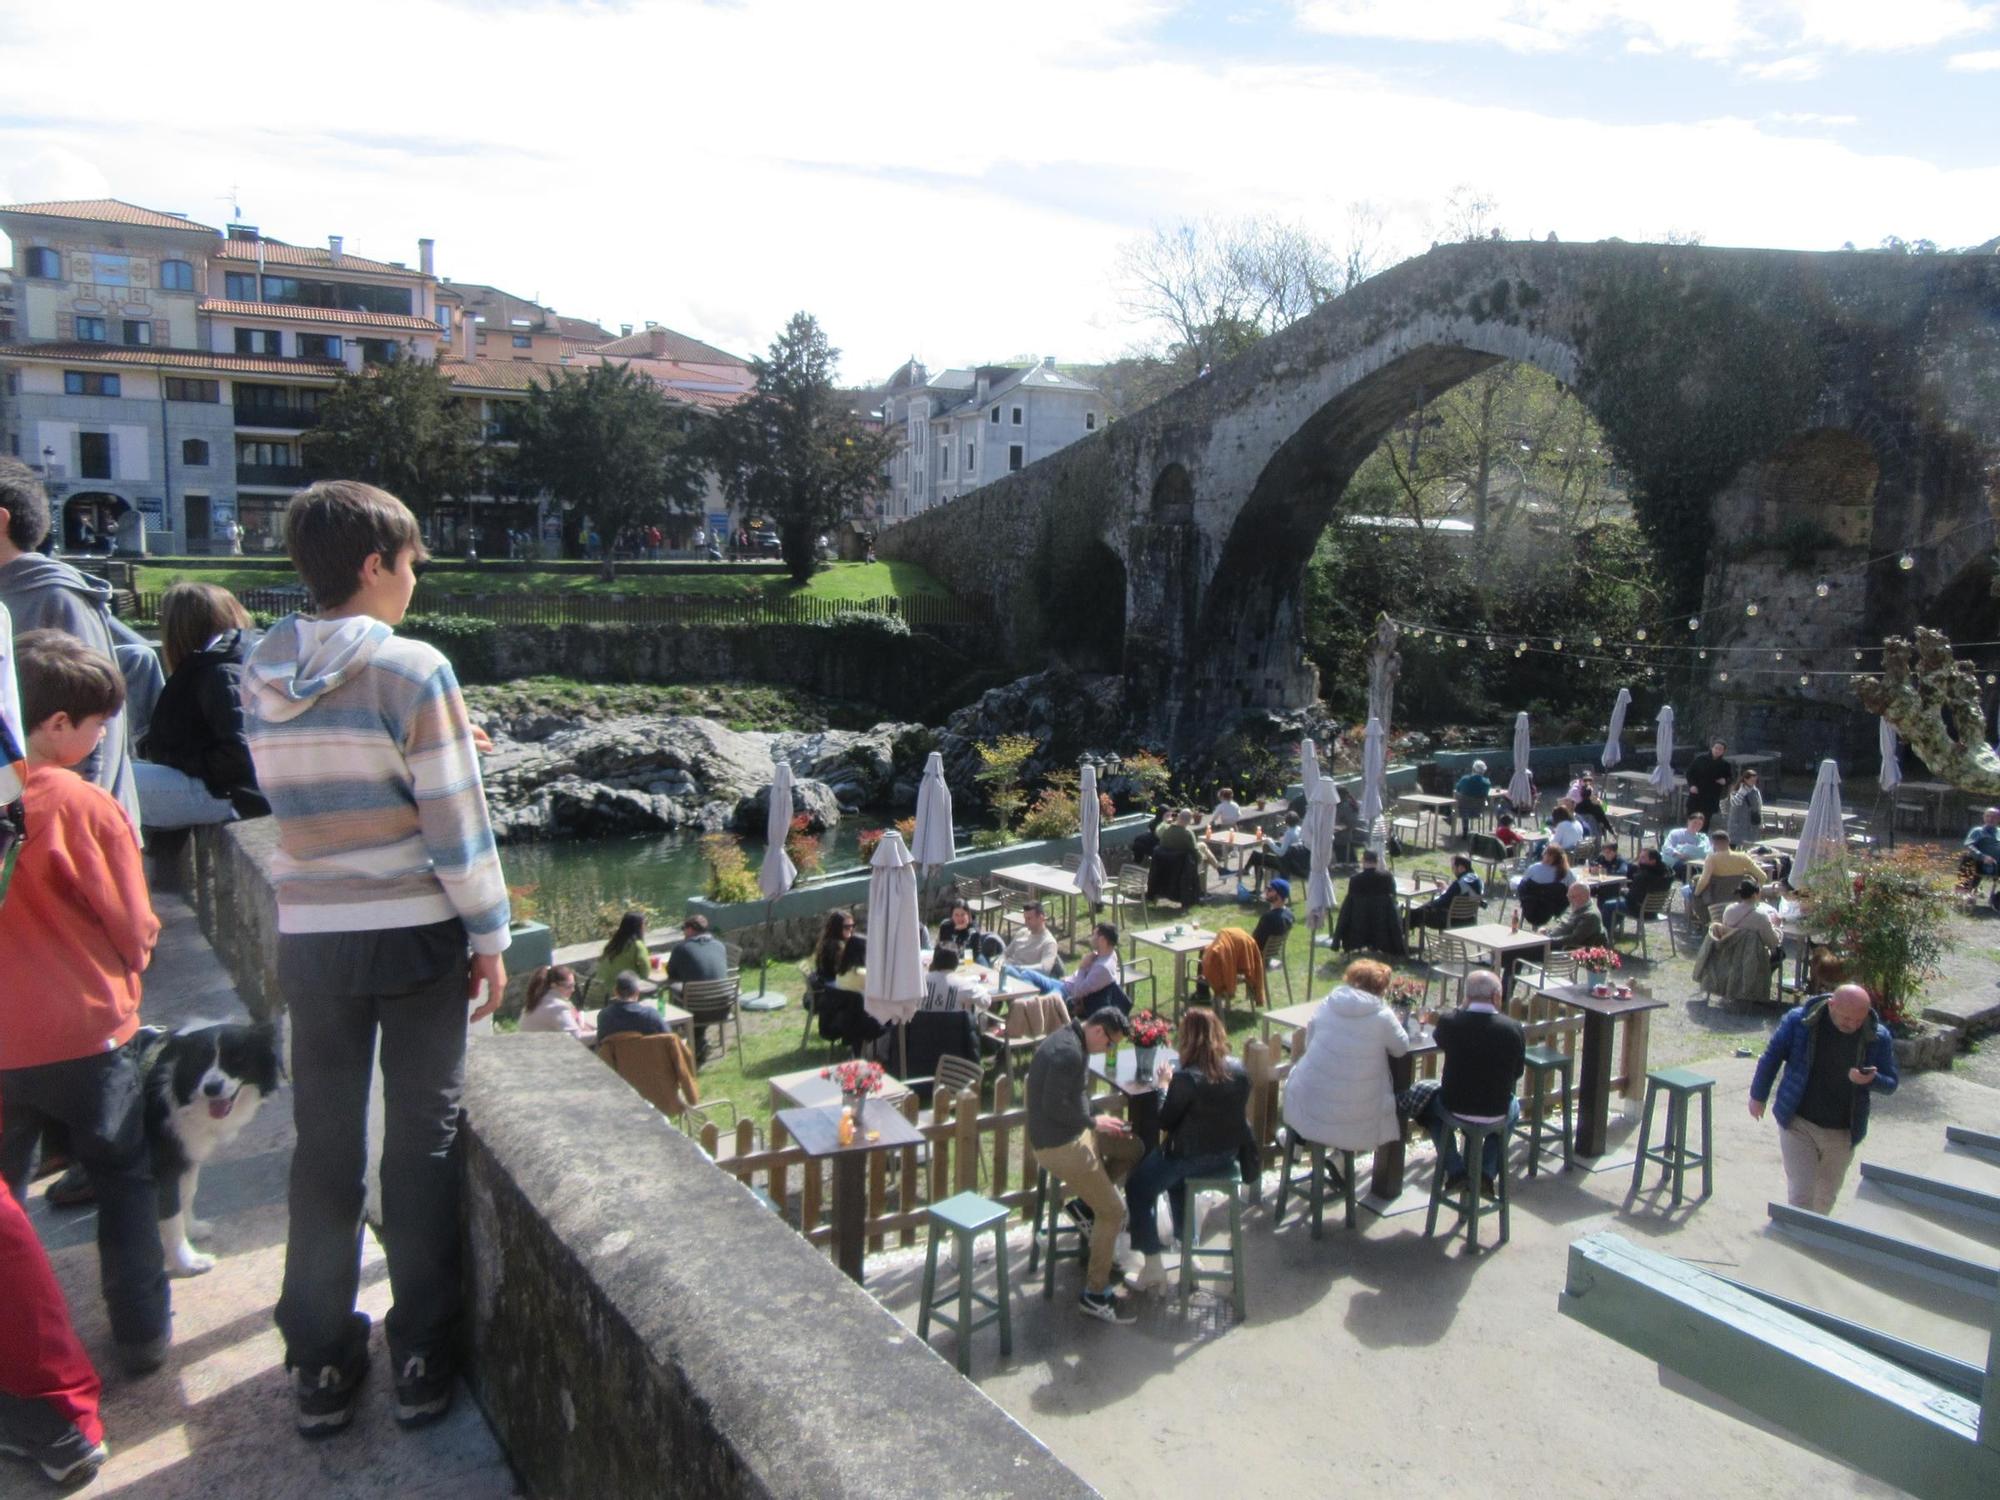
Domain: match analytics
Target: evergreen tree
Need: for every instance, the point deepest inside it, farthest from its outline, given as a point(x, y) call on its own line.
point(400, 426)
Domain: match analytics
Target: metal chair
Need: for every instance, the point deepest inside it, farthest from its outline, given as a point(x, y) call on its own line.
point(1134, 972)
point(1453, 964)
point(712, 1002)
point(1489, 854)
point(1071, 862)
point(1274, 957)
point(1653, 906)
point(984, 901)
point(1129, 893)
point(958, 1074)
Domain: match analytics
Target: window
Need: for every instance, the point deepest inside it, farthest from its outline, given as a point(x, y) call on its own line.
point(971, 458)
point(1015, 454)
point(319, 346)
point(138, 331)
point(45, 264)
point(1090, 421)
point(994, 416)
point(194, 452)
point(179, 389)
point(266, 455)
point(1017, 416)
point(176, 276)
point(944, 459)
point(91, 330)
point(522, 341)
point(259, 341)
point(348, 295)
point(239, 286)
point(93, 455)
point(380, 351)
point(89, 383)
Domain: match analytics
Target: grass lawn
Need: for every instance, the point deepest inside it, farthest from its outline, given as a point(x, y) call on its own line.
point(835, 581)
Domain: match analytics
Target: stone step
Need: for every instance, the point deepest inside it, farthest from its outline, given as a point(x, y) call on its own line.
point(1875, 1207)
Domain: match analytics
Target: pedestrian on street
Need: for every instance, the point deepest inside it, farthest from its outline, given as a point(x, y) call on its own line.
point(1826, 1058)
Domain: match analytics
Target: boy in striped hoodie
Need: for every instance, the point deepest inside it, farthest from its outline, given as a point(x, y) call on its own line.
point(392, 915)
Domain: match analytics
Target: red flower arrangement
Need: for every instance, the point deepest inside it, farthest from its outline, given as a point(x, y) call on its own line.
point(1149, 1029)
point(1403, 990)
point(1597, 960)
point(855, 1077)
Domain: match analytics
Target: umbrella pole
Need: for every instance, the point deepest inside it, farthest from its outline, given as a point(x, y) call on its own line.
point(764, 965)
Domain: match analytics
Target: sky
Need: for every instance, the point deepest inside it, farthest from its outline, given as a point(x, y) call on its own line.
point(955, 182)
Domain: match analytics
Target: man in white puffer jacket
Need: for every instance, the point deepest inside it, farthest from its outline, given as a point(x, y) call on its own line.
point(1339, 1094)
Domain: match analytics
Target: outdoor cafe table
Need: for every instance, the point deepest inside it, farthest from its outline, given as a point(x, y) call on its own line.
point(1593, 1084)
point(1437, 809)
point(1046, 880)
point(1386, 1181)
point(817, 1133)
point(1189, 940)
point(1235, 838)
point(805, 1089)
point(1937, 791)
point(1142, 1095)
point(1506, 945)
point(1292, 1017)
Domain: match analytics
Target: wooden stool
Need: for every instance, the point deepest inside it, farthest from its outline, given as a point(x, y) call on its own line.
point(965, 1217)
point(1542, 1061)
point(1672, 1153)
point(1191, 1247)
point(1047, 1198)
point(1309, 1182)
point(1466, 1204)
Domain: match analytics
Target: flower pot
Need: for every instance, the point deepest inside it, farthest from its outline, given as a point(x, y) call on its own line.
point(1144, 1059)
point(530, 945)
point(1928, 1046)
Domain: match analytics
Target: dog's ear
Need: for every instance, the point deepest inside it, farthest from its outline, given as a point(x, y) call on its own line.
point(147, 1036)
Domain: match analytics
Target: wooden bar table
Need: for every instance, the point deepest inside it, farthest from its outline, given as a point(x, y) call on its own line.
point(1142, 1095)
point(1437, 809)
point(1047, 880)
point(1180, 939)
point(817, 1132)
point(1593, 1085)
point(1291, 1017)
point(806, 1089)
point(1386, 1180)
point(1507, 946)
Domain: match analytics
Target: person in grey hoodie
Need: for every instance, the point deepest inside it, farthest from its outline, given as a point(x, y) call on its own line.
point(43, 594)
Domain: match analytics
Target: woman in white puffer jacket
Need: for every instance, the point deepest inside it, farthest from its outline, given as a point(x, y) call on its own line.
point(1339, 1093)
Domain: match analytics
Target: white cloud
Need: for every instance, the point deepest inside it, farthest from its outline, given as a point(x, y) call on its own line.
point(1873, 26)
point(1975, 62)
point(1799, 69)
point(1808, 118)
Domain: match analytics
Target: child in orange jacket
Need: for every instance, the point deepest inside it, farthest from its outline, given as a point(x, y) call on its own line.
point(76, 930)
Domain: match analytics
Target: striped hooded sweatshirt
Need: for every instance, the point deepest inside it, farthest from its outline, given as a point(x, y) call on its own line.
point(363, 747)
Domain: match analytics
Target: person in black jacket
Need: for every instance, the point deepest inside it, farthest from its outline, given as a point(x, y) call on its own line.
point(1647, 876)
point(1205, 1124)
point(1709, 778)
point(1485, 1054)
point(1368, 918)
point(194, 765)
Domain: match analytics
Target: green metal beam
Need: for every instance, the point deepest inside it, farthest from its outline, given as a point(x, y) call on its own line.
point(1865, 1410)
point(1888, 1251)
point(1933, 1192)
point(1967, 1379)
point(1978, 1141)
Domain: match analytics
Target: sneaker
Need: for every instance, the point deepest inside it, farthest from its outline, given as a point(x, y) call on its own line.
point(423, 1390)
point(1105, 1308)
point(327, 1394)
point(69, 1459)
point(143, 1359)
point(72, 1189)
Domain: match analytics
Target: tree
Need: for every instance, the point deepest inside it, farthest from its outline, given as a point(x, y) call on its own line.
point(611, 446)
point(400, 426)
point(793, 451)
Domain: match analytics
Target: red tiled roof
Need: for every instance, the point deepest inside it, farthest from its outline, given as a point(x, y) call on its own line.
point(278, 253)
point(584, 331)
point(519, 374)
point(172, 359)
point(108, 211)
point(664, 343)
point(315, 314)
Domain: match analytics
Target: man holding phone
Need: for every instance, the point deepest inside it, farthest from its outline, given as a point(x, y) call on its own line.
point(1833, 1054)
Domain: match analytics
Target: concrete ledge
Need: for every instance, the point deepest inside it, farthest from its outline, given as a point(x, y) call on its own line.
point(641, 1325)
point(238, 906)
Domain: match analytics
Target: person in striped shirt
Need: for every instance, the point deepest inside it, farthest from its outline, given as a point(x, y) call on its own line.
point(392, 919)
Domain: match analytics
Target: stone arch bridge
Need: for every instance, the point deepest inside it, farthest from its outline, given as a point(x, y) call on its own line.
point(1741, 390)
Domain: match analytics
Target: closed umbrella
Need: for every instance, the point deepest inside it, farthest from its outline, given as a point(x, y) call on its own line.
point(1521, 785)
point(1372, 756)
point(1892, 772)
point(1321, 815)
point(1308, 767)
point(1663, 753)
point(930, 845)
point(1090, 867)
point(774, 877)
point(1824, 837)
point(893, 987)
point(13, 738)
point(1613, 750)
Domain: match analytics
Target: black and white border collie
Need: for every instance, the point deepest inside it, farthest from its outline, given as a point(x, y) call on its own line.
point(203, 1086)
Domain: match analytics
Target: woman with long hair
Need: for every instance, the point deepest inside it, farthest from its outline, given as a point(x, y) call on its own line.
point(551, 1004)
point(194, 764)
point(1745, 812)
point(839, 1008)
point(627, 952)
point(1544, 887)
point(839, 949)
point(1204, 1132)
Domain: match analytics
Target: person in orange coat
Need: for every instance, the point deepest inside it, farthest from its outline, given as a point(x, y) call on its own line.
point(76, 930)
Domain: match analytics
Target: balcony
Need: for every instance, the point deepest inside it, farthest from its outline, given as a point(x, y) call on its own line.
point(271, 476)
point(269, 414)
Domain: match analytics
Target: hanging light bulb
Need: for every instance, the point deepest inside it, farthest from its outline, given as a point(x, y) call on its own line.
point(1489, 643)
point(1906, 562)
point(1597, 640)
point(1694, 622)
point(1857, 656)
point(1750, 609)
point(1649, 671)
point(1804, 680)
point(1704, 656)
point(1461, 643)
point(1628, 650)
point(1990, 679)
point(1639, 634)
point(1822, 588)
point(1558, 645)
point(1777, 656)
point(1519, 647)
point(1722, 677)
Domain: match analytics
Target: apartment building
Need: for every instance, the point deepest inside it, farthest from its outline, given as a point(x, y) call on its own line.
point(962, 428)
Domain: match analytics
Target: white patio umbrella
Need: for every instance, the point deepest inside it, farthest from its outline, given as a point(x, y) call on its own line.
point(13, 737)
point(930, 844)
point(1321, 814)
point(1824, 837)
point(893, 986)
point(1308, 767)
point(1892, 772)
point(1521, 785)
point(1373, 756)
point(1663, 753)
point(1613, 750)
point(1090, 867)
point(775, 876)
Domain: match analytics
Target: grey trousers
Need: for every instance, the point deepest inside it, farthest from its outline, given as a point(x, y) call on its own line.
point(1816, 1161)
point(423, 1034)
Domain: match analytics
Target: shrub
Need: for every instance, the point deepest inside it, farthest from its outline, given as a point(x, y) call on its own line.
point(1888, 921)
point(730, 877)
point(802, 848)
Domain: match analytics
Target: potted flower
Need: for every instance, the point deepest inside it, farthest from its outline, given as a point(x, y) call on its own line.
point(858, 1082)
point(1597, 962)
point(1888, 919)
point(1405, 995)
point(1150, 1031)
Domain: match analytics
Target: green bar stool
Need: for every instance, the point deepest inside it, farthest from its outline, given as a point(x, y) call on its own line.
point(1310, 1182)
point(1465, 1203)
point(965, 1217)
point(1192, 1251)
point(1672, 1153)
point(1048, 1201)
point(1542, 1061)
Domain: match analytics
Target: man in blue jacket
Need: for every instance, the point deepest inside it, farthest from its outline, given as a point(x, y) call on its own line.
point(1833, 1054)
